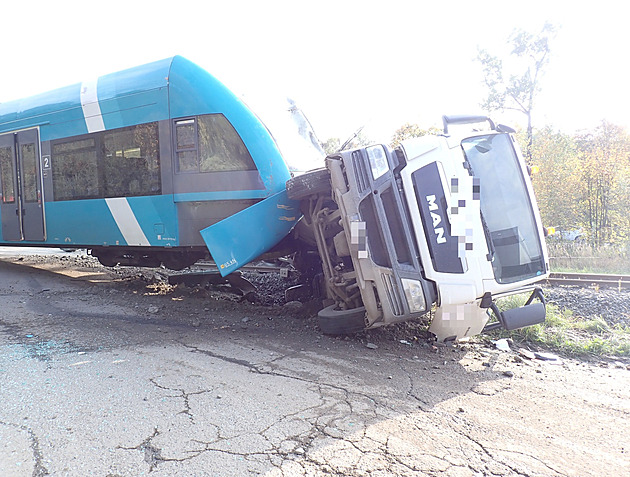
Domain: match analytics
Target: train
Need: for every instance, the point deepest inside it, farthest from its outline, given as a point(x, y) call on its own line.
point(159, 164)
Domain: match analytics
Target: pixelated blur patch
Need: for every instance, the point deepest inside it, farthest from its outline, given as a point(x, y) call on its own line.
point(466, 311)
point(465, 213)
point(476, 188)
point(460, 205)
point(358, 240)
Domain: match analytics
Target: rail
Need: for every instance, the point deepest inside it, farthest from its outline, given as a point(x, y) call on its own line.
point(620, 282)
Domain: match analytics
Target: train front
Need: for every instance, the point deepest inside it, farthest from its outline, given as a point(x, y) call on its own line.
point(261, 214)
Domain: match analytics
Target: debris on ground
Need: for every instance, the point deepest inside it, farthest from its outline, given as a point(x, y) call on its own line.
point(527, 353)
point(502, 345)
point(548, 357)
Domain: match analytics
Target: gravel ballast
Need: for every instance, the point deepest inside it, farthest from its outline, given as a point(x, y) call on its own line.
point(613, 306)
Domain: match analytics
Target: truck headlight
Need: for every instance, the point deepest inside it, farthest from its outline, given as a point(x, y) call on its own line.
point(414, 295)
point(378, 160)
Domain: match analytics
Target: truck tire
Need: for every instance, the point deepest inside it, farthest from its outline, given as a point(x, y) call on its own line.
point(333, 321)
point(313, 182)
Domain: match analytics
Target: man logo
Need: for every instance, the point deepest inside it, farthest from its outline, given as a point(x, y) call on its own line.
point(437, 219)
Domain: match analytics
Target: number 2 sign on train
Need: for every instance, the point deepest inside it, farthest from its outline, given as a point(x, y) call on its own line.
point(157, 164)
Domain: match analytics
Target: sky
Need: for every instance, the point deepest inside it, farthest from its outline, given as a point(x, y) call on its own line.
point(346, 64)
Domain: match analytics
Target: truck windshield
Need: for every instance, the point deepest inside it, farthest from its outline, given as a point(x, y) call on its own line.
point(506, 208)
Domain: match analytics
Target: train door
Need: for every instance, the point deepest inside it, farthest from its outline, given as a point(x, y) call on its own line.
point(21, 198)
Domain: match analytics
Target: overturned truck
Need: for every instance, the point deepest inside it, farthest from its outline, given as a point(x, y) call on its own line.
point(445, 223)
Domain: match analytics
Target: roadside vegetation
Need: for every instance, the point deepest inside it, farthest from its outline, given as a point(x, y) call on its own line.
point(580, 257)
point(569, 334)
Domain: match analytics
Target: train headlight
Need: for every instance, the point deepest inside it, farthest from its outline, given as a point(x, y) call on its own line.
point(414, 295)
point(378, 161)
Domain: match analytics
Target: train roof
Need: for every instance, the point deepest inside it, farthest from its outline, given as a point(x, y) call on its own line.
point(169, 88)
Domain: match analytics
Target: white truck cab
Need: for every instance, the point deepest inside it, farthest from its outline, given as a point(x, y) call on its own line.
point(446, 222)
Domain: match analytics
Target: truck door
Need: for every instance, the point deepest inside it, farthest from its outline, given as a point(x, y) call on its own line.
point(21, 195)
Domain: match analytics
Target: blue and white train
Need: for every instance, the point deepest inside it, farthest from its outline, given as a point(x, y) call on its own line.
point(153, 165)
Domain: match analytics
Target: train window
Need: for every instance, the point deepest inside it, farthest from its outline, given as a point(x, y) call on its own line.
point(75, 170)
point(119, 163)
point(186, 134)
point(7, 175)
point(187, 161)
point(210, 143)
point(186, 145)
point(29, 172)
point(131, 162)
point(220, 146)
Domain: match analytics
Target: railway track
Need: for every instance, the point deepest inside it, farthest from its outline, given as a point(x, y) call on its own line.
point(620, 282)
point(205, 272)
point(584, 280)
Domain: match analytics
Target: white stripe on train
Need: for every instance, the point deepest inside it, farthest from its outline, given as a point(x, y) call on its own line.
point(127, 221)
point(91, 108)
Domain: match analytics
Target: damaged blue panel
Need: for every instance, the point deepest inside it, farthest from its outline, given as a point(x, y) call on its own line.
point(246, 235)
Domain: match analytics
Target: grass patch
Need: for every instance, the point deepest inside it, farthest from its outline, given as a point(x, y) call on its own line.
point(582, 258)
point(566, 333)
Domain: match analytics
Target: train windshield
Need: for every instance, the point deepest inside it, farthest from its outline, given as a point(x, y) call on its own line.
point(506, 208)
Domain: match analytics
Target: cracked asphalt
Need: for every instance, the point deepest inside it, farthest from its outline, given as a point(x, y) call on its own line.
point(106, 376)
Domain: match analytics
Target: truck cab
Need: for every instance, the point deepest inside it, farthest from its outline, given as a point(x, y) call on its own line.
point(444, 224)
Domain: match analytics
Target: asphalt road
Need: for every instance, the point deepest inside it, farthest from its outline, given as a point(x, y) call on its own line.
point(110, 377)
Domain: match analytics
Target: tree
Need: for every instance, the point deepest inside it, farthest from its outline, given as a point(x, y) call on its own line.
point(517, 91)
point(409, 130)
point(605, 186)
point(584, 181)
point(557, 182)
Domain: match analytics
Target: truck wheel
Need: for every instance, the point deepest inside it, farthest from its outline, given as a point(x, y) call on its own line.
point(333, 321)
point(313, 182)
